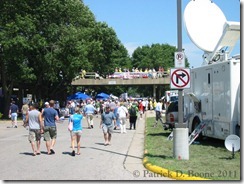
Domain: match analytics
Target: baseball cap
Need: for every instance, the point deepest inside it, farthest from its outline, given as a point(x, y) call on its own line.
point(46, 103)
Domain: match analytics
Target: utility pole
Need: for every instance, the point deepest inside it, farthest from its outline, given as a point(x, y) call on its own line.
point(180, 132)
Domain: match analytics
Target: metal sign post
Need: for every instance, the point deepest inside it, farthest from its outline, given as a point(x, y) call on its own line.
point(180, 141)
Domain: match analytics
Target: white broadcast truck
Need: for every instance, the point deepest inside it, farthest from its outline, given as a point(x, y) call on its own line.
point(213, 100)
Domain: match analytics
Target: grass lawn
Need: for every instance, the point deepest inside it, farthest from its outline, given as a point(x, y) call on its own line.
point(207, 159)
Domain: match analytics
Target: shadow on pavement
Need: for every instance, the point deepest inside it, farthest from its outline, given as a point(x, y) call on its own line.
point(160, 134)
point(115, 152)
point(158, 156)
point(67, 153)
point(100, 143)
point(26, 153)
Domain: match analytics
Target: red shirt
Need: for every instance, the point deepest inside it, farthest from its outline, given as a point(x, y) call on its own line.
point(140, 107)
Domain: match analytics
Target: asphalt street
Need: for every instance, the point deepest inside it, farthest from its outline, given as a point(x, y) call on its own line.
point(122, 160)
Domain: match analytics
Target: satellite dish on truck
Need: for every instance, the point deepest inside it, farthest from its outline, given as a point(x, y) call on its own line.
point(204, 22)
point(208, 29)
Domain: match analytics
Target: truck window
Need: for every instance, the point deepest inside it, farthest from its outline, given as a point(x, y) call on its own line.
point(173, 107)
point(173, 98)
point(208, 78)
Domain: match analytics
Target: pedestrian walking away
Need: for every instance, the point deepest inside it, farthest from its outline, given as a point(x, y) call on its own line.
point(13, 114)
point(107, 124)
point(117, 124)
point(89, 111)
point(133, 110)
point(24, 111)
point(140, 106)
point(33, 120)
point(158, 110)
point(76, 120)
point(50, 116)
point(122, 114)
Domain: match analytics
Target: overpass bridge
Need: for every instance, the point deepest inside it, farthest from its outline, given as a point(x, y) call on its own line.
point(122, 82)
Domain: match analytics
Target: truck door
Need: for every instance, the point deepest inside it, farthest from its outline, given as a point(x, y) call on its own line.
point(207, 101)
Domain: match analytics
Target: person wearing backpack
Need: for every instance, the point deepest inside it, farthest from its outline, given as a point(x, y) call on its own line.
point(133, 110)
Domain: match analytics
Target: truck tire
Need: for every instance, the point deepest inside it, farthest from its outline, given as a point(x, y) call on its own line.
point(196, 122)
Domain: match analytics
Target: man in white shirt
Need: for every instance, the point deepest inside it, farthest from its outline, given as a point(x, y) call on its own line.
point(158, 110)
point(122, 113)
point(144, 105)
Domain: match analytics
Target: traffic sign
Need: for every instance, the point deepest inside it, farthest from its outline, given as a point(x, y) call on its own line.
point(179, 60)
point(180, 78)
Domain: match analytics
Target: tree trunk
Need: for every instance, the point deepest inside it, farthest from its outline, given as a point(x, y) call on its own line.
point(6, 89)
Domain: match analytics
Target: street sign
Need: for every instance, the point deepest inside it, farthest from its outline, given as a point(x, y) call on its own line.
point(179, 60)
point(180, 78)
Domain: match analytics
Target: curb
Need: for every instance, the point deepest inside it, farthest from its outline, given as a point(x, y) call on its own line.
point(165, 172)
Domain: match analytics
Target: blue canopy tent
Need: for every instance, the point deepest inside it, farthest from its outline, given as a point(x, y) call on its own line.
point(102, 96)
point(78, 96)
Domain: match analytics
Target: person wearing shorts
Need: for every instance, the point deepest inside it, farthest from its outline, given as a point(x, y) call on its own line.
point(33, 120)
point(13, 114)
point(107, 124)
point(24, 111)
point(50, 116)
point(89, 111)
point(76, 132)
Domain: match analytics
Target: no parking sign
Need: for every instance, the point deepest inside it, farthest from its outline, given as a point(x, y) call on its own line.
point(179, 60)
point(180, 78)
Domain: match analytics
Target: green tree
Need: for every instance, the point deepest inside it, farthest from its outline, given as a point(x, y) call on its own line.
point(154, 56)
point(46, 44)
point(106, 51)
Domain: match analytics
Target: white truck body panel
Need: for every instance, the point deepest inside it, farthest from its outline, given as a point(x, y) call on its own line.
point(217, 89)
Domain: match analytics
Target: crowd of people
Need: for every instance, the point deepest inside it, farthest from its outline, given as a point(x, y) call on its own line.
point(114, 115)
point(148, 72)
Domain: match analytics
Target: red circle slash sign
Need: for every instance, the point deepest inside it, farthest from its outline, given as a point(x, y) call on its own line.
point(180, 78)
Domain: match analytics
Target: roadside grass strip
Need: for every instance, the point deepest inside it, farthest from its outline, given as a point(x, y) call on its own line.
point(208, 158)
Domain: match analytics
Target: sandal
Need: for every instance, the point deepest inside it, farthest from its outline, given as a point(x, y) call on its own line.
point(33, 154)
point(52, 151)
point(73, 153)
point(78, 153)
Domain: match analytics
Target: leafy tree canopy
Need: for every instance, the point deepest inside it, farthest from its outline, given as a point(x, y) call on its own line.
point(46, 43)
point(154, 56)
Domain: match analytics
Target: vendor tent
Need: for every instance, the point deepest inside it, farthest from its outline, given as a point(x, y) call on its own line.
point(102, 96)
point(78, 96)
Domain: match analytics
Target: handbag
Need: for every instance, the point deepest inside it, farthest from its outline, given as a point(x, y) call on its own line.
point(70, 126)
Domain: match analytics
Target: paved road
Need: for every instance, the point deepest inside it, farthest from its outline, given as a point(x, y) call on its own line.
point(120, 161)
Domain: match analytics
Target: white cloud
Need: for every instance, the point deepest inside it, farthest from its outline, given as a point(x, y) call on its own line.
point(131, 46)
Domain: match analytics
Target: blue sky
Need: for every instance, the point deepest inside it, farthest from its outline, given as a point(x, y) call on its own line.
point(146, 22)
